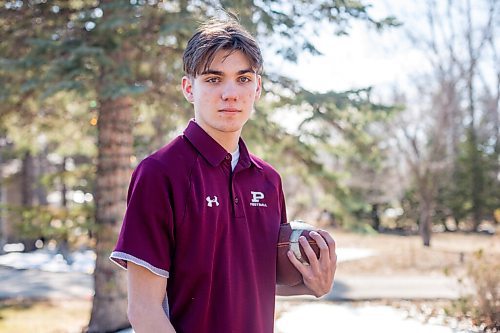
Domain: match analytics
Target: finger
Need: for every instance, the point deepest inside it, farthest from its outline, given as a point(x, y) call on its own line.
point(322, 245)
point(311, 255)
point(296, 263)
point(331, 244)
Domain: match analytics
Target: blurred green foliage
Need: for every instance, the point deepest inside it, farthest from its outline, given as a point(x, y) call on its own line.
point(52, 223)
point(62, 58)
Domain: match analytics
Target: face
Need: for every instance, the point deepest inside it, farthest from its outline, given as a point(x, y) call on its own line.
point(224, 95)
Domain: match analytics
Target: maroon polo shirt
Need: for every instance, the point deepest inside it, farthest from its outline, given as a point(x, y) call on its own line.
point(210, 231)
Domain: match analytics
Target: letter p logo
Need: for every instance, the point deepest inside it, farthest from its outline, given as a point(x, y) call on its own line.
point(257, 196)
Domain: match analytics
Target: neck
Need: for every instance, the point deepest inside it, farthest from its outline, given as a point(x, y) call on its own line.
point(230, 144)
point(228, 140)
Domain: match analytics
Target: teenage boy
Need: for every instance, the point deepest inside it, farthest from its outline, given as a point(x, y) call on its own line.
point(201, 227)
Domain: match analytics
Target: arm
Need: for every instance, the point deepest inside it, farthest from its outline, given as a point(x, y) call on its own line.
point(318, 276)
point(146, 292)
point(300, 289)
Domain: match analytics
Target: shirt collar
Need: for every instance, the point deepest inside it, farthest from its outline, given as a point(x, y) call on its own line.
point(245, 158)
point(212, 151)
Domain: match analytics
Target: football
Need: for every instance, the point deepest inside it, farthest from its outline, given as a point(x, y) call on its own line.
point(286, 273)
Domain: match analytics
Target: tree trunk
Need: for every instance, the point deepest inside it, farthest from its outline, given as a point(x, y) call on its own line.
point(475, 155)
point(425, 222)
point(64, 189)
point(477, 180)
point(426, 206)
point(63, 245)
point(41, 170)
point(27, 180)
point(3, 237)
point(375, 217)
point(115, 142)
point(496, 125)
point(27, 194)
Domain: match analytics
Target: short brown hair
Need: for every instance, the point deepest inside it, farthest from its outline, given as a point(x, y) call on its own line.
point(215, 35)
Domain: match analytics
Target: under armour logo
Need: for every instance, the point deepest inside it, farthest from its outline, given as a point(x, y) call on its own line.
point(256, 198)
point(212, 201)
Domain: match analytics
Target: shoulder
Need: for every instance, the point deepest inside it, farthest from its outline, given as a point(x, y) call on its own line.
point(267, 169)
point(171, 163)
point(176, 156)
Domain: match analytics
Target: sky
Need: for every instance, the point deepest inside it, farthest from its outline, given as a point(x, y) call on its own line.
point(383, 60)
point(387, 61)
point(365, 57)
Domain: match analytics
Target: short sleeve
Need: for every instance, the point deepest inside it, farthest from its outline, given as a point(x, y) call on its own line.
point(146, 236)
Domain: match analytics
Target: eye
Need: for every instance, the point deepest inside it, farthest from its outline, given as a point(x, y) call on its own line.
point(213, 79)
point(244, 79)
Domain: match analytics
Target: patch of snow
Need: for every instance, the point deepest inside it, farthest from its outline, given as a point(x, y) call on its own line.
point(50, 261)
point(353, 253)
point(349, 318)
point(13, 247)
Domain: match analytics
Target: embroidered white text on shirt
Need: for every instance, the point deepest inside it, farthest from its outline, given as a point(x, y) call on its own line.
point(256, 198)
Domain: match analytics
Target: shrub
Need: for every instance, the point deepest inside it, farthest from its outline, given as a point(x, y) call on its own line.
point(482, 306)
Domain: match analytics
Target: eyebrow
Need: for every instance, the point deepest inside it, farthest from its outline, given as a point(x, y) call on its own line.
point(220, 73)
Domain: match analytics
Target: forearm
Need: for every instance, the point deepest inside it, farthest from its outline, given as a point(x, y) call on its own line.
point(146, 292)
point(300, 289)
point(149, 319)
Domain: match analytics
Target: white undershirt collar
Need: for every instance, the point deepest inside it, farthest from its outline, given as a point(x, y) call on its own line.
point(235, 156)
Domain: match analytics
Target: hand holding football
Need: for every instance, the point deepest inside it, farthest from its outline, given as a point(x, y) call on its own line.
point(286, 273)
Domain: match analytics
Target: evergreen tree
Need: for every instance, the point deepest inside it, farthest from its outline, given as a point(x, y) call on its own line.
point(123, 54)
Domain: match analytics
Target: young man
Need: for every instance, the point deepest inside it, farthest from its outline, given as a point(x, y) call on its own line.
point(200, 231)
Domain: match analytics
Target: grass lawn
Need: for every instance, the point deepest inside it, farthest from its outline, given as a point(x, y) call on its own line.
point(449, 253)
point(44, 316)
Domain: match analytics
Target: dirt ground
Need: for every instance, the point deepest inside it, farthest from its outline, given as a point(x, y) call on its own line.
point(449, 253)
point(68, 316)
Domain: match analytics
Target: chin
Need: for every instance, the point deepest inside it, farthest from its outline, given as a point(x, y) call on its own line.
point(230, 129)
point(230, 126)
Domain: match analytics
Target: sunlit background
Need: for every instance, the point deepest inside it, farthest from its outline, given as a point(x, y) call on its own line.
point(381, 116)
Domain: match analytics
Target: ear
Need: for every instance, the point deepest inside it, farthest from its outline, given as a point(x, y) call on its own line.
point(258, 90)
point(187, 88)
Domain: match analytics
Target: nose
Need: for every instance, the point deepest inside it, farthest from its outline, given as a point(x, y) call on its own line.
point(229, 92)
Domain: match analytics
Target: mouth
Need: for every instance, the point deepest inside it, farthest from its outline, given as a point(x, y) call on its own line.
point(229, 110)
